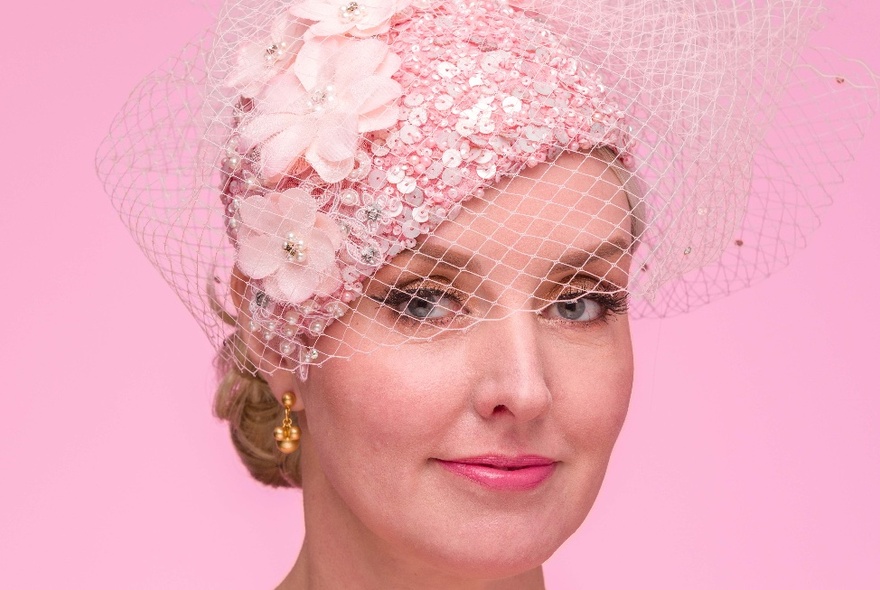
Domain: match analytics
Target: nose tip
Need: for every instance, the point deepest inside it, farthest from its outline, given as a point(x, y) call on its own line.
point(511, 377)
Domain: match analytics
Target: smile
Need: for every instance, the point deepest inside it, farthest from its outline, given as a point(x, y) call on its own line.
point(521, 473)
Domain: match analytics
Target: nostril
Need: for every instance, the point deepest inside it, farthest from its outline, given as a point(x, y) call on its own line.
point(499, 409)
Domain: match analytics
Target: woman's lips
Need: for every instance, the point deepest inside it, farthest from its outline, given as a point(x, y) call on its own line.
point(519, 473)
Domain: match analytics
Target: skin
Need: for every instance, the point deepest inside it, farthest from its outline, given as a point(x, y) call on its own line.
point(380, 511)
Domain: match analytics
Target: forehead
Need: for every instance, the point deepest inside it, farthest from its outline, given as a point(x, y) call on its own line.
point(573, 203)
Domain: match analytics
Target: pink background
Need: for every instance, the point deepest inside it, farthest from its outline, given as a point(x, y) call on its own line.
point(751, 458)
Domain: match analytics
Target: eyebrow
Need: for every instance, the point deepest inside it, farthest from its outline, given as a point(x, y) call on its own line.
point(606, 251)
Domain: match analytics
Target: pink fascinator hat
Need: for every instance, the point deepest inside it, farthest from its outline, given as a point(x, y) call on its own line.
point(307, 143)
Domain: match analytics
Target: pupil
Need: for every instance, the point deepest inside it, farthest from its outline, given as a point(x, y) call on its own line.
point(572, 310)
point(422, 306)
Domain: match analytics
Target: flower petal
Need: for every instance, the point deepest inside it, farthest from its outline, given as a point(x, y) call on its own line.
point(261, 215)
point(257, 129)
point(382, 118)
point(389, 66)
point(279, 152)
point(298, 208)
point(331, 171)
point(330, 281)
point(260, 255)
point(314, 10)
point(359, 59)
point(314, 60)
point(330, 229)
point(337, 137)
point(295, 283)
point(372, 93)
point(327, 28)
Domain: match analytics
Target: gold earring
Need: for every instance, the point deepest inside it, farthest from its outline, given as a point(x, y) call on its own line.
point(287, 435)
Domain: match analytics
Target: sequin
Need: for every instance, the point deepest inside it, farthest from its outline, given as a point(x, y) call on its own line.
point(511, 104)
point(487, 171)
point(410, 134)
point(407, 185)
point(420, 214)
point(395, 174)
point(447, 70)
point(434, 170)
point(379, 148)
point(376, 178)
point(415, 198)
point(451, 158)
point(413, 100)
point(451, 176)
point(443, 102)
point(418, 116)
point(410, 229)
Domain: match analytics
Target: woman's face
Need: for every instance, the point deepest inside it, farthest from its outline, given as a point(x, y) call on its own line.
point(480, 446)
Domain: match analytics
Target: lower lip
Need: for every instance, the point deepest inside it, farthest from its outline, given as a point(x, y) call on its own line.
point(513, 480)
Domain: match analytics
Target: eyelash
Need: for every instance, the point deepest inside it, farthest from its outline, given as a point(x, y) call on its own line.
point(396, 299)
point(611, 298)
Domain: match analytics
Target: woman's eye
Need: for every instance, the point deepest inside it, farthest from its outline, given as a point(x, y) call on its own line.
point(582, 309)
point(425, 304)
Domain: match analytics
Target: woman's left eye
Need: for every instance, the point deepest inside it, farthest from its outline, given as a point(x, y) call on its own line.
point(582, 309)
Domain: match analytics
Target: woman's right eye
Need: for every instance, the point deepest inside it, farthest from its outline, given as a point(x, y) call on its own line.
point(423, 304)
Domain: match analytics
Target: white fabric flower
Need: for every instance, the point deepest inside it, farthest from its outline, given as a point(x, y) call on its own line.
point(285, 241)
point(360, 18)
point(257, 63)
point(337, 89)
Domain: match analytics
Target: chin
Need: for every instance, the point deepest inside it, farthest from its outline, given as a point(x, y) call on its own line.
point(487, 551)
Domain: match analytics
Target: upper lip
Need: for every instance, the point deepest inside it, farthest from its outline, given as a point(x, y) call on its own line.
point(504, 461)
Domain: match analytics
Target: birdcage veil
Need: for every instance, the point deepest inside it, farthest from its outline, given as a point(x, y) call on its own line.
point(312, 145)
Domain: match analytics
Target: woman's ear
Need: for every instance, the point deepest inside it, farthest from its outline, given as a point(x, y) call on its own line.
point(271, 365)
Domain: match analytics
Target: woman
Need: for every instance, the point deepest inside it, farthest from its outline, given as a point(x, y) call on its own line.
point(478, 189)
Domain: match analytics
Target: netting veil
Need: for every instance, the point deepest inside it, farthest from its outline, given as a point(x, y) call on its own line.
point(331, 175)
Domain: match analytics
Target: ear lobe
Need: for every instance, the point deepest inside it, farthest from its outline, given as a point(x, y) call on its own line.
point(276, 369)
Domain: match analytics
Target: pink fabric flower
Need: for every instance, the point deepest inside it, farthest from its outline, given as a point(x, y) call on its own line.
point(360, 18)
point(285, 241)
point(337, 89)
point(257, 63)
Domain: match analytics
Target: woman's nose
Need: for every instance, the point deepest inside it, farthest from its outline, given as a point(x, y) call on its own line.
point(511, 382)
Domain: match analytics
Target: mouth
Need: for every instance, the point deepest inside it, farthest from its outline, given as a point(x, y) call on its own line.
point(503, 473)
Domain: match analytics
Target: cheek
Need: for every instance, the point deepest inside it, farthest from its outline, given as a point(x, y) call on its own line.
point(369, 412)
point(592, 392)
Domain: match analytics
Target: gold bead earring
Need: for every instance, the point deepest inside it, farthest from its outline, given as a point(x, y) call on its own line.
point(287, 435)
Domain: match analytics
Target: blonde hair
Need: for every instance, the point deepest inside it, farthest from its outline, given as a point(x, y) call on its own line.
point(244, 399)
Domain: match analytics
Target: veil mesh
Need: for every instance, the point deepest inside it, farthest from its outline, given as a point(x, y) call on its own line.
point(380, 171)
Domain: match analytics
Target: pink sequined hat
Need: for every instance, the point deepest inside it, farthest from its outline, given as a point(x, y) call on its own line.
point(306, 143)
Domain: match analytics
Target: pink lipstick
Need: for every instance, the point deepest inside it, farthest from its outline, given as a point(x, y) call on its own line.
point(520, 473)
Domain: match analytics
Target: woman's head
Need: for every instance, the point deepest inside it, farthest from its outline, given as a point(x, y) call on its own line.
point(503, 338)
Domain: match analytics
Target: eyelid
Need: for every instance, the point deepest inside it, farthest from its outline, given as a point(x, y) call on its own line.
point(431, 283)
point(577, 286)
